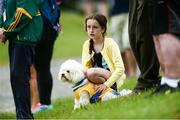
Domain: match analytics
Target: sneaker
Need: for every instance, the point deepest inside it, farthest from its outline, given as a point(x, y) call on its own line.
point(165, 88)
point(42, 108)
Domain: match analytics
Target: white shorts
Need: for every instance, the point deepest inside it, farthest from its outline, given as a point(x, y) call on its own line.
point(119, 31)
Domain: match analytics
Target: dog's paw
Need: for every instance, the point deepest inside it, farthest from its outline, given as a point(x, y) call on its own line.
point(77, 107)
point(84, 99)
point(84, 102)
point(76, 104)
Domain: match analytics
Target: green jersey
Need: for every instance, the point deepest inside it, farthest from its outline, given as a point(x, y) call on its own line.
point(23, 21)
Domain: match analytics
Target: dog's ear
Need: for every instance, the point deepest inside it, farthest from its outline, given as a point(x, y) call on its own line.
point(62, 66)
point(59, 76)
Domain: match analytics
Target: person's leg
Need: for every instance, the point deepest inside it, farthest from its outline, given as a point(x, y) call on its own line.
point(116, 28)
point(34, 89)
point(20, 62)
point(119, 32)
point(142, 45)
point(127, 54)
point(129, 63)
point(87, 7)
point(103, 7)
point(97, 75)
point(44, 51)
point(168, 51)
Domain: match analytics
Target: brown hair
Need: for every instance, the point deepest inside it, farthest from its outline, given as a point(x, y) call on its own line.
point(101, 19)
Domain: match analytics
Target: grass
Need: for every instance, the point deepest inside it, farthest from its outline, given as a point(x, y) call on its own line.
point(70, 40)
point(68, 43)
point(3, 54)
point(141, 106)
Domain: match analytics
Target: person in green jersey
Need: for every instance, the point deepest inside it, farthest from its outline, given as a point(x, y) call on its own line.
point(23, 29)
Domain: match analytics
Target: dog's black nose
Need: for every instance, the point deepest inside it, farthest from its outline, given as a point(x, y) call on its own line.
point(62, 75)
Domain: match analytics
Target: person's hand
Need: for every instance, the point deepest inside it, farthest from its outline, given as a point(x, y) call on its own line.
point(101, 88)
point(2, 37)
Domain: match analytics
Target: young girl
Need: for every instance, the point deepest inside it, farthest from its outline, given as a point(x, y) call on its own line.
point(101, 56)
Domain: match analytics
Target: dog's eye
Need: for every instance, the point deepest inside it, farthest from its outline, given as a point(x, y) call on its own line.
point(68, 71)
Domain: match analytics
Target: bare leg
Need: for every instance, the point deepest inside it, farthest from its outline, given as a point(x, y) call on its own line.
point(34, 89)
point(88, 7)
point(103, 8)
point(168, 52)
point(129, 62)
point(98, 75)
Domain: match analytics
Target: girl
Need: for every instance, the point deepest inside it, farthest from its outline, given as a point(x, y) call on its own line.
point(101, 57)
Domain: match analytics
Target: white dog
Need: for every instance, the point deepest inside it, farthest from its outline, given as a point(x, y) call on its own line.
point(84, 91)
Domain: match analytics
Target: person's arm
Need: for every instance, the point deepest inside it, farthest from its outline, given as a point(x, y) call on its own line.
point(25, 11)
point(118, 73)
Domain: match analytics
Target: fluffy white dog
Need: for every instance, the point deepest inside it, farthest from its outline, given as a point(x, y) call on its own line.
point(84, 91)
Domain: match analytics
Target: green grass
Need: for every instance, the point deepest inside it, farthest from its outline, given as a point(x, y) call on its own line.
point(4, 59)
point(68, 45)
point(140, 106)
point(69, 42)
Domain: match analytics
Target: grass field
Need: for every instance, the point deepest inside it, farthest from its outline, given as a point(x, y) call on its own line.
point(69, 42)
point(141, 106)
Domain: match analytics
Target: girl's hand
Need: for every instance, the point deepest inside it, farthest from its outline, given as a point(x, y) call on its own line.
point(101, 88)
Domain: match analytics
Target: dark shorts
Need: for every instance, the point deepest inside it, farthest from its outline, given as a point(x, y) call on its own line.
point(165, 16)
point(96, 0)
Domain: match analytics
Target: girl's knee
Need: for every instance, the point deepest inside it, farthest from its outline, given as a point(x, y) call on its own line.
point(91, 73)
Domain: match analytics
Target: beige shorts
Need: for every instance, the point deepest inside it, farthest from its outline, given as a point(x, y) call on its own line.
point(119, 30)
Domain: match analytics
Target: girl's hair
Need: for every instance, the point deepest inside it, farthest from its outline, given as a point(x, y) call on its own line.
point(101, 19)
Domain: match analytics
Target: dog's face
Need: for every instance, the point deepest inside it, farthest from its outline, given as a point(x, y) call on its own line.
point(71, 71)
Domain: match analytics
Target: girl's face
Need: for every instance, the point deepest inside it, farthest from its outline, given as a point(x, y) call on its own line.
point(94, 30)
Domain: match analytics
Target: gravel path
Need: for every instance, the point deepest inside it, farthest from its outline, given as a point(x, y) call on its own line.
point(60, 89)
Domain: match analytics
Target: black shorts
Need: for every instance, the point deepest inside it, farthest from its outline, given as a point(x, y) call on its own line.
point(165, 16)
point(96, 0)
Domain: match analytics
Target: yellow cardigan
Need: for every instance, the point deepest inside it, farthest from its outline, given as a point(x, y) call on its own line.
point(112, 56)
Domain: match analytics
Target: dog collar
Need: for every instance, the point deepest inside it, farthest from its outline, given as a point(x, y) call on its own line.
point(79, 84)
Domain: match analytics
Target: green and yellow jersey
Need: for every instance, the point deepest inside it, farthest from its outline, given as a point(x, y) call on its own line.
point(23, 21)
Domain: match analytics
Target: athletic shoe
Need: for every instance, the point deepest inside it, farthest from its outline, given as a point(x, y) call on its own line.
point(42, 108)
point(165, 88)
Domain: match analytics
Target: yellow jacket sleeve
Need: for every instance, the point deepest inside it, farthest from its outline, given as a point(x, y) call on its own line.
point(112, 56)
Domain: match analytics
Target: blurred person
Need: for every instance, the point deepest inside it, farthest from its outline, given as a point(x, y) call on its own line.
point(92, 6)
point(1, 11)
point(119, 32)
point(101, 58)
point(142, 45)
point(165, 17)
point(22, 28)
point(59, 2)
point(44, 51)
point(33, 81)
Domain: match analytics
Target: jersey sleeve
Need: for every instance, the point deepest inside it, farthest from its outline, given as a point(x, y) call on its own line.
point(25, 11)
